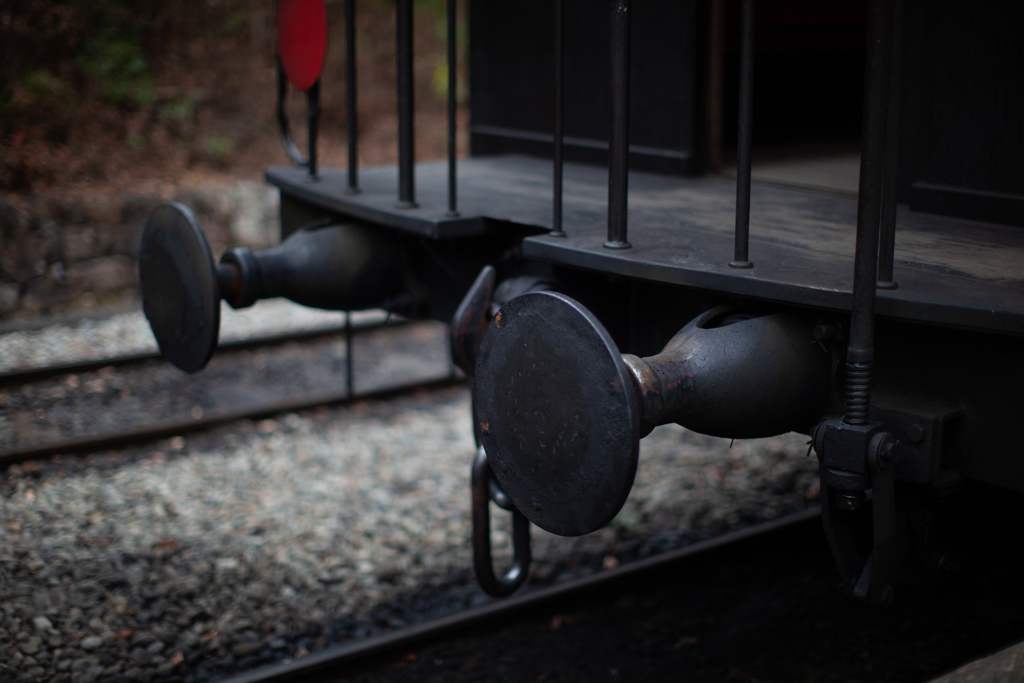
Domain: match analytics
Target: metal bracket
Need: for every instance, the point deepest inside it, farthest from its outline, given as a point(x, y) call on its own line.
point(855, 458)
point(904, 443)
point(920, 427)
point(873, 585)
point(312, 118)
point(479, 305)
point(471, 319)
point(486, 489)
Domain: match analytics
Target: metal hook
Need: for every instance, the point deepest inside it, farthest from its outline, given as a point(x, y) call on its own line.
point(485, 489)
point(282, 118)
point(866, 577)
point(313, 113)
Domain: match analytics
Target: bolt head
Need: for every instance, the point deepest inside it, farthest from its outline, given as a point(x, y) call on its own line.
point(824, 332)
point(849, 501)
point(948, 565)
point(915, 433)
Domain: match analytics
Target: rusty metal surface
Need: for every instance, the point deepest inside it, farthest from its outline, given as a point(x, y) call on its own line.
point(738, 375)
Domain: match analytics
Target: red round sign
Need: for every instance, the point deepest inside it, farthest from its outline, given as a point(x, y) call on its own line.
point(302, 40)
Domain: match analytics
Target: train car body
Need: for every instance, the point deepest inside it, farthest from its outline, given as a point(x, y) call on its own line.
point(598, 275)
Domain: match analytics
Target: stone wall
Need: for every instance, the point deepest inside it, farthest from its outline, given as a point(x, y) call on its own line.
point(59, 252)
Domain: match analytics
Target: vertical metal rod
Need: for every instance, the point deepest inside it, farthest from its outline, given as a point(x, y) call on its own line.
point(452, 107)
point(618, 139)
point(744, 138)
point(406, 142)
point(887, 241)
point(349, 380)
point(350, 96)
point(313, 117)
point(556, 192)
point(861, 351)
point(716, 59)
point(282, 117)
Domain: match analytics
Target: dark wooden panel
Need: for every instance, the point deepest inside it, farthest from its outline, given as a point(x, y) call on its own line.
point(963, 128)
point(512, 80)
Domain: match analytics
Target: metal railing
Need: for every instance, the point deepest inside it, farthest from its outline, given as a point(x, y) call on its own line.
point(876, 208)
point(406, 108)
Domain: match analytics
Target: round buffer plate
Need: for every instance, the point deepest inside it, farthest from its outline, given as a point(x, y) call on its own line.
point(179, 287)
point(557, 413)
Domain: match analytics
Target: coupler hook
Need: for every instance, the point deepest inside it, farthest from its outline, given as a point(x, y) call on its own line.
point(486, 489)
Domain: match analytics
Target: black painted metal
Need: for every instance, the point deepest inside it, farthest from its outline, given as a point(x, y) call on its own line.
point(312, 123)
point(470, 320)
point(562, 424)
point(855, 458)
point(337, 267)
point(484, 491)
point(856, 454)
point(894, 114)
point(618, 137)
point(963, 104)
point(180, 294)
point(874, 584)
point(406, 106)
point(351, 120)
point(557, 413)
point(744, 140)
point(736, 374)
point(453, 64)
point(860, 354)
point(350, 379)
point(282, 118)
point(963, 273)
point(835, 519)
point(512, 87)
point(556, 196)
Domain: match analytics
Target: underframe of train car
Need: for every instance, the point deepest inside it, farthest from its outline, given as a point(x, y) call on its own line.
point(603, 275)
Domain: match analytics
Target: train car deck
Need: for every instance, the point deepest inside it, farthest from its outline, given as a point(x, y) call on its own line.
point(949, 271)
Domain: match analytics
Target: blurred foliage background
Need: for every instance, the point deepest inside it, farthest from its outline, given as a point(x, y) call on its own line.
point(130, 91)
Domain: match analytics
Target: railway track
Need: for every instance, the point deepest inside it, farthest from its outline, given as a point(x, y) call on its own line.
point(35, 374)
point(195, 557)
point(753, 605)
point(222, 597)
point(44, 409)
point(545, 603)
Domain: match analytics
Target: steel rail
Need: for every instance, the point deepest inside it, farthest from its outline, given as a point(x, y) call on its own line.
point(15, 377)
point(327, 661)
point(175, 427)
